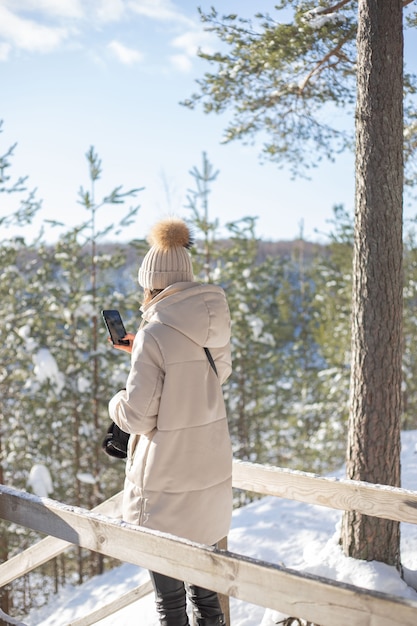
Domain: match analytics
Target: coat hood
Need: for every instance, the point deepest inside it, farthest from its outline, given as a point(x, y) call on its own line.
point(198, 311)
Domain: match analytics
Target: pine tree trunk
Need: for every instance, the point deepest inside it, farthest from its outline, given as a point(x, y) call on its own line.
point(373, 453)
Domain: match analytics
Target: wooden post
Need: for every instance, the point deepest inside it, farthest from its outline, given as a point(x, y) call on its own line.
point(224, 600)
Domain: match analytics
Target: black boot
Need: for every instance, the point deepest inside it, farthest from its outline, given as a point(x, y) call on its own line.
point(206, 606)
point(217, 620)
point(170, 600)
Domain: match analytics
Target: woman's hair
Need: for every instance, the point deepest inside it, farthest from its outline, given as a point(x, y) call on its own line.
point(149, 294)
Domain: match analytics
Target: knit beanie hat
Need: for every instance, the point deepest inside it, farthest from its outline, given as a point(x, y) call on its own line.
point(167, 261)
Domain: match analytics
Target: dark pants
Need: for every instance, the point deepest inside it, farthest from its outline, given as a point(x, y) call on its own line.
point(170, 597)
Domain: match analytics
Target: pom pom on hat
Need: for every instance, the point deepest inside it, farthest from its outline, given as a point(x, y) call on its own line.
point(170, 233)
point(167, 261)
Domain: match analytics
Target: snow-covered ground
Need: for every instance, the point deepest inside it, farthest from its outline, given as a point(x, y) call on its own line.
point(301, 536)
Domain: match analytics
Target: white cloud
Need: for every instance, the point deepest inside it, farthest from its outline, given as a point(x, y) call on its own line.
point(57, 8)
point(163, 10)
point(124, 54)
point(28, 34)
point(110, 10)
point(191, 41)
point(44, 25)
point(181, 62)
point(188, 43)
point(5, 49)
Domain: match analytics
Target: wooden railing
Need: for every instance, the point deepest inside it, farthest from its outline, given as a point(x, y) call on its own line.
point(313, 598)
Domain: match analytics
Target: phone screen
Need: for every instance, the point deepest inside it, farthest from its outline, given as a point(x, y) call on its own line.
point(115, 326)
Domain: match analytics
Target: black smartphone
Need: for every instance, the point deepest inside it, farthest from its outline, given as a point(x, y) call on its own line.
point(115, 326)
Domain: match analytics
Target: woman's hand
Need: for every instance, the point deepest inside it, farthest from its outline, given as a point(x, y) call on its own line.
point(125, 348)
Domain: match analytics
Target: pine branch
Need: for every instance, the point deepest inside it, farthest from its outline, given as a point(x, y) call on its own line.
point(334, 52)
point(335, 7)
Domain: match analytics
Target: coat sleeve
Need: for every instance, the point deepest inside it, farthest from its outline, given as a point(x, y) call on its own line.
point(135, 409)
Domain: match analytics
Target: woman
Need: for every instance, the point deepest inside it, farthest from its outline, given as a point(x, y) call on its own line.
point(179, 466)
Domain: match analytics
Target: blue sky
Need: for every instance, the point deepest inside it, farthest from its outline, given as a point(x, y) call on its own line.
point(111, 74)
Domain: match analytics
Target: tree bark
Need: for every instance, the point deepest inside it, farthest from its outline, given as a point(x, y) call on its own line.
point(373, 453)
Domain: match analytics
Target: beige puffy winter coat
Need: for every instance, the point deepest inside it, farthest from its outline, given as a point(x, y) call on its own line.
point(179, 466)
